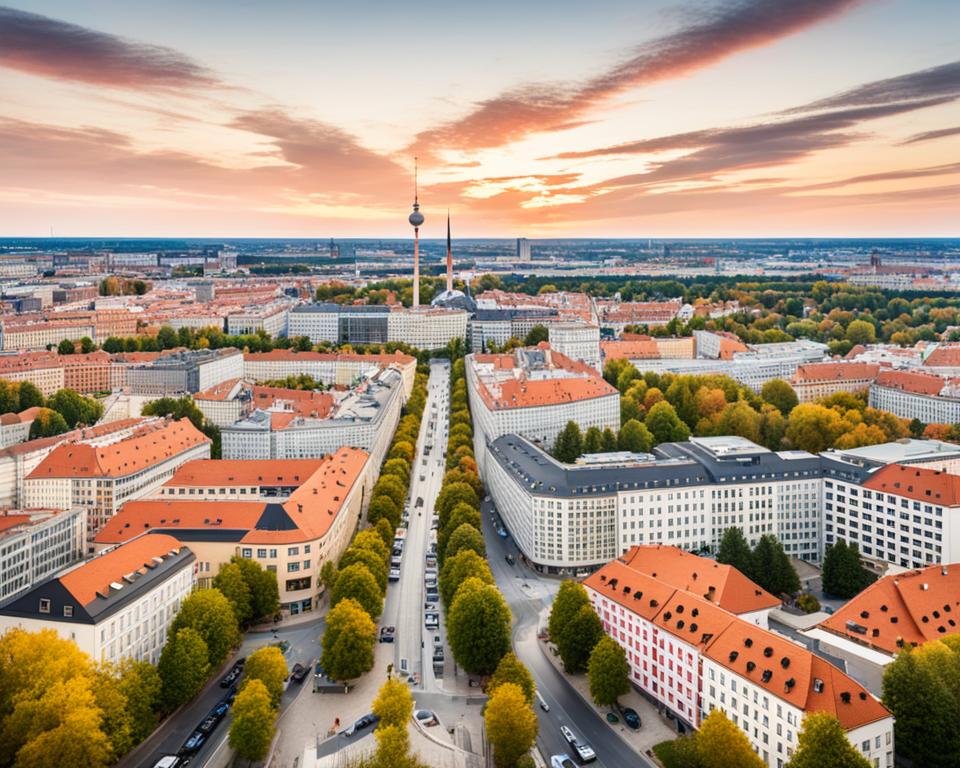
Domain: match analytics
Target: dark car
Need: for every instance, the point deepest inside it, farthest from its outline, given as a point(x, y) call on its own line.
point(387, 634)
point(630, 717)
point(231, 695)
point(364, 722)
point(209, 723)
point(299, 673)
point(510, 559)
point(221, 709)
point(231, 676)
point(192, 744)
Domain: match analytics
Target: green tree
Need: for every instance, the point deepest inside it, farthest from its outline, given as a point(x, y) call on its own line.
point(211, 615)
point(593, 440)
point(843, 575)
point(262, 583)
point(537, 334)
point(254, 721)
point(465, 537)
point(229, 580)
point(665, 425)
point(511, 670)
point(772, 569)
point(370, 560)
point(48, 423)
point(328, 574)
point(823, 742)
point(511, 725)
point(457, 569)
point(608, 671)
point(75, 408)
point(356, 583)
point(570, 598)
point(384, 508)
point(394, 703)
point(177, 408)
point(385, 531)
point(66, 347)
point(861, 332)
point(117, 722)
point(721, 744)
point(30, 396)
point(167, 337)
point(578, 638)
point(635, 437)
point(609, 441)
point(142, 688)
point(391, 487)
point(780, 395)
point(462, 514)
point(734, 550)
point(569, 444)
point(269, 667)
point(453, 494)
point(183, 667)
point(348, 641)
point(478, 627)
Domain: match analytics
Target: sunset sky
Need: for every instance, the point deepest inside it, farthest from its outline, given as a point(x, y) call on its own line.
point(608, 118)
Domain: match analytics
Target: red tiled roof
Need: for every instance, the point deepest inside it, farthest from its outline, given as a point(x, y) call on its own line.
point(902, 610)
point(929, 485)
point(96, 575)
point(289, 354)
point(225, 472)
point(146, 447)
point(815, 372)
point(945, 355)
point(918, 383)
point(641, 349)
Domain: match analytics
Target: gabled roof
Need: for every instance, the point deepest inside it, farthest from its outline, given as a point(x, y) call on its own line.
point(816, 372)
point(902, 610)
point(910, 381)
point(227, 472)
point(913, 482)
point(945, 355)
point(154, 443)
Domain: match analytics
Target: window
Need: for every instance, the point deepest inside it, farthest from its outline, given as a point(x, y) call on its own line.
point(293, 567)
point(68, 613)
point(246, 552)
point(44, 605)
point(261, 553)
point(292, 551)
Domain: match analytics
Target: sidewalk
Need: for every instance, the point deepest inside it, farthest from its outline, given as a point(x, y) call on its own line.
point(653, 727)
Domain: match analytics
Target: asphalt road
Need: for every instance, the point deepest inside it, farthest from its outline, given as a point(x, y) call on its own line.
point(566, 705)
point(304, 642)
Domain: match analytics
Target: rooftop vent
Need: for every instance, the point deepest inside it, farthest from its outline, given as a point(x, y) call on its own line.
point(768, 651)
point(784, 662)
point(751, 666)
point(733, 655)
point(845, 697)
point(748, 642)
point(766, 676)
point(817, 685)
point(695, 612)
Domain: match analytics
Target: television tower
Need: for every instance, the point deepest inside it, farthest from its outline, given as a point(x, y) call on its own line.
point(416, 221)
point(449, 256)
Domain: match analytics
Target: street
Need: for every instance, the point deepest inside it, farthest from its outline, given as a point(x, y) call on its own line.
point(527, 595)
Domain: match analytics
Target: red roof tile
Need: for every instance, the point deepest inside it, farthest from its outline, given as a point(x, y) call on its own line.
point(929, 485)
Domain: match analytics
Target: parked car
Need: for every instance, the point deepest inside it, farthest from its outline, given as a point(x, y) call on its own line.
point(562, 761)
point(437, 641)
point(193, 742)
point(364, 722)
point(433, 595)
point(167, 761)
point(231, 695)
point(630, 717)
point(438, 653)
point(209, 723)
point(394, 574)
point(299, 673)
point(387, 634)
point(431, 620)
point(426, 717)
point(231, 677)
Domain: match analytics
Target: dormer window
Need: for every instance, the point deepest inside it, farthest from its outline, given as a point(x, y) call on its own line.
point(44, 605)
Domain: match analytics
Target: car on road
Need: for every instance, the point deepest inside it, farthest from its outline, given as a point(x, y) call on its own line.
point(209, 723)
point(193, 743)
point(299, 673)
point(231, 677)
point(364, 722)
point(167, 761)
point(394, 574)
point(562, 761)
point(542, 702)
point(395, 561)
point(437, 641)
point(387, 634)
point(231, 695)
point(502, 532)
point(431, 560)
point(426, 717)
point(630, 717)
point(510, 559)
point(433, 595)
point(584, 751)
point(431, 620)
point(486, 498)
point(419, 501)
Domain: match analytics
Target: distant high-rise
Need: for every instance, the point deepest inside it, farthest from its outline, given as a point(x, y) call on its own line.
point(523, 249)
point(416, 221)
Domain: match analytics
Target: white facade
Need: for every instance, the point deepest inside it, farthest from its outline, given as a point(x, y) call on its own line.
point(427, 328)
point(330, 369)
point(578, 341)
point(930, 409)
point(39, 547)
point(316, 323)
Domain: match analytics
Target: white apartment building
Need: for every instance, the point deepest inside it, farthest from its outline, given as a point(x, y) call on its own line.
point(15, 427)
point(570, 517)
point(186, 371)
point(224, 403)
point(271, 319)
point(318, 322)
point(915, 395)
point(41, 334)
point(100, 478)
point(425, 328)
point(578, 341)
point(342, 369)
point(534, 392)
point(497, 326)
point(117, 605)
point(691, 655)
point(291, 533)
point(35, 544)
point(422, 327)
point(816, 380)
point(363, 417)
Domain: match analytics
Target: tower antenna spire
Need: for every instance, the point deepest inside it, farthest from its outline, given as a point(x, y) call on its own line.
point(449, 256)
point(416, 190)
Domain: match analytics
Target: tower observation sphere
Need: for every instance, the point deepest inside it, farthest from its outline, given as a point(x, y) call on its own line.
point(416, 218)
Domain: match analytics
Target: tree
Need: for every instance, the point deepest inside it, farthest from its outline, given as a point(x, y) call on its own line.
point(739, 419)
point(269, 667)
point(478, 627)
point(262, 583)
point(462, 514)
point(578, 638)
point(511, 670)
point(391, 487)
point(116, 718)
point(75, 408)
point(394, 703)
point(861, 332)
point(48, 423)
point(609, 441)
point(328, 574)
point(384, 508)
point(823, 742)
point(356, 583)
point(254, 721)
point(780, 395)
point(234, 587)
point(665, 425)
point(73, 736)
point(813, 428)
point(772, 569)
point(569, 444)
point(66, 347)
point(734, 550)
point(570, 598)
point(177, 408)
point(635, 437)
point(842, 574)
point(537, 334)
point(453, 494)
point(721, 744)
point(167, 337)
point(385, 531)
point(183, 667)
point(608, 671)
point(348, 641)
point(457, 569)
point(593, 440)
point(465, 537)
point(211, 615)
point(141, 686)
point(511, 725)
point(393, 745)
point(373, 562)
point(30, 396)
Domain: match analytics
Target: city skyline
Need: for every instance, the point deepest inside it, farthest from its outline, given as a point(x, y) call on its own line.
point(750, 118)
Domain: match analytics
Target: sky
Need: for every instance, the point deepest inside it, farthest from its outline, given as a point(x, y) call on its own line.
point(609, 118)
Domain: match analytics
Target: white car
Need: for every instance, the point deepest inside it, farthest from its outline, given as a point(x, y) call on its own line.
point(562, 761)
point(584, 751)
